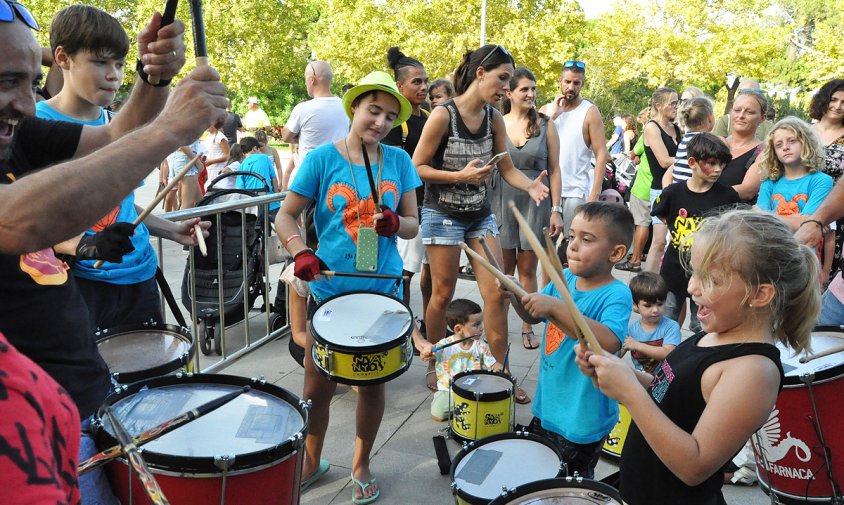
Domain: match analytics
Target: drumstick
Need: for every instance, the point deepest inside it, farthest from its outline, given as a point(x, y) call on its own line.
point(494, 263)
point(151, 487)
point(334, 273)
point(833, 350)
point(439, 348)
point(552, 250)
point(166, 19)
point(200, 51)
point(162, 429)
point(559, 283)
point(160, 196)
point(506, 357)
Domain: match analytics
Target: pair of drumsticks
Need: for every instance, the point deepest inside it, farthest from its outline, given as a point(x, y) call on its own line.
point(555, 271)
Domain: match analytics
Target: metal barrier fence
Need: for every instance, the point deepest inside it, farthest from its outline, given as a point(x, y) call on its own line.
point(215, 212)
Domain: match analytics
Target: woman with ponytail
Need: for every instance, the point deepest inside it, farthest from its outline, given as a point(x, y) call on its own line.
point(452, 158)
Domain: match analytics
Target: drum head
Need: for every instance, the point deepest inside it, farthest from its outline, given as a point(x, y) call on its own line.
point(361, 320)
point(137, 350)
point(483, 382)
point(254, 422)
point(507, 462)
point(562, 492)
point(826, 367)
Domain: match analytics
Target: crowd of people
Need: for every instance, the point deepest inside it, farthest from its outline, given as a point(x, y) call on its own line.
point(389, 179)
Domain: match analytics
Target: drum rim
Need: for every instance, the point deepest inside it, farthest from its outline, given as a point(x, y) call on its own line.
point(510, 435)
point(557, 482)
point(787, 497)
point(821, 376)
point(162, 369)
point(369, 349)
point(205, 464)
point(491, 397)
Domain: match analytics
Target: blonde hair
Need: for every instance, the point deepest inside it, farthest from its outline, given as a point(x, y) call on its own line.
point(812, 155)
point(760, 249)
point(696, 111)
point(660, 97)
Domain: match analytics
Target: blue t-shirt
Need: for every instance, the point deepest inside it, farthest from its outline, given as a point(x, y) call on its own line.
point(666, 333)
point(326, 178)
point(566, 401)
point(618, 146)
point(262, 165)
point(137, 266)
point(786, 197)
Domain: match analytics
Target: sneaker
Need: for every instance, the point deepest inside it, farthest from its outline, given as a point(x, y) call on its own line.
point(742, 477)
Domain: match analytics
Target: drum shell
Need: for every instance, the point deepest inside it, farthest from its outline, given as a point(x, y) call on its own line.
point(184, 362)
point(461, 496)
point(614, 443)
point(600, 493)
point(477, 415)
point(264, 477)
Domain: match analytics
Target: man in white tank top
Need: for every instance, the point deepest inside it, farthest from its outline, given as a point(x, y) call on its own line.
point(581, 132)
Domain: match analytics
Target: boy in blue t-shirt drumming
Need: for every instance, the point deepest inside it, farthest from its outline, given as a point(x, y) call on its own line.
point(569, 410)
point(653, 336)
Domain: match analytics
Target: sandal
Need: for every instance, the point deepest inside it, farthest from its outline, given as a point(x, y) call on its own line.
point(319, 472)
point(629, 266)
point(521, 396)
point(432, 384)
point(528, 339)
point(363, 500)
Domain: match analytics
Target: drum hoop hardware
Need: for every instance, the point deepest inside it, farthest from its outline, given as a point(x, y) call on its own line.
point(224, 462)
point(807, 379)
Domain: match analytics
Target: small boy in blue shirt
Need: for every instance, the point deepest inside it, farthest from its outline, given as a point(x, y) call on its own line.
point(654, 335)
point(261, 164)
point(568, 409)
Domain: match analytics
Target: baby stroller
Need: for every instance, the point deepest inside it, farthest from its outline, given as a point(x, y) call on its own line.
point(615, 179)
point(235, 293)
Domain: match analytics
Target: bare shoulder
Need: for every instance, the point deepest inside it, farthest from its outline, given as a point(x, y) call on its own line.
point(754, 371)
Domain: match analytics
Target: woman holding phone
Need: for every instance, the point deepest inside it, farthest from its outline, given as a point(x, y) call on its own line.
point(458, 139)
point(350, 224)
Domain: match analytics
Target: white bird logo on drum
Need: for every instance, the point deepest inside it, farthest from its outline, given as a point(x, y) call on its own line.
point(774, 446)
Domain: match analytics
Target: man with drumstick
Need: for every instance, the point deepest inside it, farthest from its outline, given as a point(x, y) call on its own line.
point(41, 311)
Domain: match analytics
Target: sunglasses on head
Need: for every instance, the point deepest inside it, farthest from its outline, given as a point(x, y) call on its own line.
point(574, 63)
point(8, 9)
point(492, 51)
point(751, 91)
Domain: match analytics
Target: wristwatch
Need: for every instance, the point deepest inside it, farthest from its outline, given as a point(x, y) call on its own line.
point(557, 208)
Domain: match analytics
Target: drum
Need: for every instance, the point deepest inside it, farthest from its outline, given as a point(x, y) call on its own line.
point(614, 443)
point(482, 469)
point(805, 424)
point(362, 338)
point(139, 352)
point(247, 452)
point(562, 491)
point(481, 404)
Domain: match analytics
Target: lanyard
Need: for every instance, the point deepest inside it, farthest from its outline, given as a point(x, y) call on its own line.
point(376, 195)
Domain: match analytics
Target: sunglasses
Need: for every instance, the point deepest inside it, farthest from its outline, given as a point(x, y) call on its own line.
point(574, 63)
point(750, 91)
point(492, 51)
point(8, 8)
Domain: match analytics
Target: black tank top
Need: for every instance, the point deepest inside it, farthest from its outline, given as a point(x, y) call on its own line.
point(658, 170)
point(645, 480)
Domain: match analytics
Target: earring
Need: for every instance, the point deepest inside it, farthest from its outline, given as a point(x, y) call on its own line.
point(750, 305)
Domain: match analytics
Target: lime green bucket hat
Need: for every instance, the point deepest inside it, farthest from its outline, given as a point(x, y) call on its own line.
point(379, 81)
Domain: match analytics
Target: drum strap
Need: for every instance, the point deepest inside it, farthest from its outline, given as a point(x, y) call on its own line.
point(168, 295)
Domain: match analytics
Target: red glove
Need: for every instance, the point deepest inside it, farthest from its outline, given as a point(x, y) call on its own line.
point(387, 225)
point(307, 265)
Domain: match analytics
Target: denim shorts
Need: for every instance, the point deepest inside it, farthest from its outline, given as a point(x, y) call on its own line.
point(442, 229)
point(654, 195)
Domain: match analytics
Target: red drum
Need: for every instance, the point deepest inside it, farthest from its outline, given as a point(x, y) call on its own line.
point(247, 452)
point(803, 435)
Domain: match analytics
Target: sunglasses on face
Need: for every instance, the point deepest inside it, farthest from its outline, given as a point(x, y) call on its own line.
point(9, 8)
point(492, 51)
point(574, 63)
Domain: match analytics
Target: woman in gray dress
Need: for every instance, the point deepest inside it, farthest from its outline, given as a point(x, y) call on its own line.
point(534, 146)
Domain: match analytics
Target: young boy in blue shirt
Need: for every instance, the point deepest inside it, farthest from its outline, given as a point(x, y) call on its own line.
point(652, 336)
point(260, 164)
point(568, 409)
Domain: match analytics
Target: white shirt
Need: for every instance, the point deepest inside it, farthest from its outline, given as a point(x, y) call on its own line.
point(319, 121)
point(575, 156)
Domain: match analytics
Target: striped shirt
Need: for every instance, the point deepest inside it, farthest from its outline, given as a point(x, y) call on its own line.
point(682, 171)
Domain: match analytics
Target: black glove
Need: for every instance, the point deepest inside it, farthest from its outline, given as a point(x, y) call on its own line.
point(108, 245)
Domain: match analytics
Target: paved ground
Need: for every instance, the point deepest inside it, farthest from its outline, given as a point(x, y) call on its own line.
point(403, 460)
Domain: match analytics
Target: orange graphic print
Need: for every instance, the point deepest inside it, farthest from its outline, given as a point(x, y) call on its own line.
point(107, 220)
point(353, 206)
point(553, 338)
point(790, 208)
point(44, 268)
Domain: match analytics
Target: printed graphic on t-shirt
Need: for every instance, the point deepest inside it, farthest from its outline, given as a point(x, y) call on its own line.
point(684, 228)
point(648, 363)
point(791, 207)
point(107, 220)
point(553, 338)
point(44, 268)
point(352, 206)
point(663, 377)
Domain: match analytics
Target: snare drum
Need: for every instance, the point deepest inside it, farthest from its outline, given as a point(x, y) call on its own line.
point(362, 338)
point(247, 452)
point(482, 469)
point(563, 491)
point(614, 443)
point(805, 422)
point(481, 404)
point(139, 352)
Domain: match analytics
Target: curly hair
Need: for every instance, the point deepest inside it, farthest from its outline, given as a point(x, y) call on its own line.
point(820, 102)
point(812, 155)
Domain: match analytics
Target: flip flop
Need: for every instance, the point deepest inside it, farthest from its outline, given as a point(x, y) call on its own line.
point(363, 500)
point(319, 472)
point(431, 386)
point(527, 338)
point(521, 396)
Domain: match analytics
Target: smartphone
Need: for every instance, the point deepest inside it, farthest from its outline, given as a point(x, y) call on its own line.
point(495, 159)
point(366, 259)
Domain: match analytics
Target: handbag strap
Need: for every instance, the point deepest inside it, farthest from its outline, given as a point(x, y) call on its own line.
point(168, 295)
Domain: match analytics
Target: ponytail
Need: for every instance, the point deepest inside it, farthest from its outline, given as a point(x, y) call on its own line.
point(491, 55)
